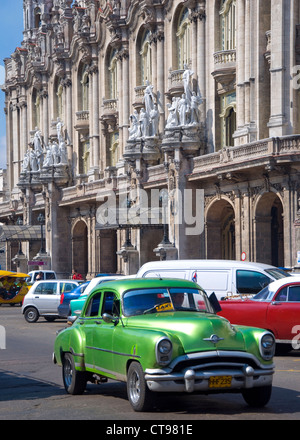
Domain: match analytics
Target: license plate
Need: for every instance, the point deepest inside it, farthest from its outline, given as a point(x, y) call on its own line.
point(219, 381)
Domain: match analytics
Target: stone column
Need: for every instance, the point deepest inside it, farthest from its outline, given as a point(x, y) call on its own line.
point(45, 124)
point(94, 135)
point(280, 22)
point(125, 73)
point(69, 113)
point(201, 57)
point(160, 76)
point(240, 55)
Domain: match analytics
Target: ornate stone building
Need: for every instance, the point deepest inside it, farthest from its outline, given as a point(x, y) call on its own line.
point(145, 129)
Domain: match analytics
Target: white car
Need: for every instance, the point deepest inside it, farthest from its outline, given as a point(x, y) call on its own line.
point(43, 299)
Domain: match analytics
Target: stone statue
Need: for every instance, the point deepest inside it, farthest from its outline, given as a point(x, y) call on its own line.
point(59, 130)
point(55, 153)
point(148, 97)
point(48, 162)
point(172, 120)
point(186, 78)
point(33, 160)
point(154, 118)
point(38, 147)
point(144, 122)
point(183, 110)
point(63, 153)
point(26, 162)
point(195, 112)
point(133, 130)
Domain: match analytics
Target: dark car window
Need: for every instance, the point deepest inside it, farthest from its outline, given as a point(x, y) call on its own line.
point(93, 305)
point(294, 294)
point(282, 294)
point(110, 304)
point(46, 289)
point(251, 282)
point(67, 287)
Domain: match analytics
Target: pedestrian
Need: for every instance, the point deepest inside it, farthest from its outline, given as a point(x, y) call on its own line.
point(40, 276)
point(76, 275)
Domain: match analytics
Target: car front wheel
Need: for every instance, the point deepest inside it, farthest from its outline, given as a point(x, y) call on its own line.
point(31, 314)
point(139, 396)
point(74, 381)
point(257, 397)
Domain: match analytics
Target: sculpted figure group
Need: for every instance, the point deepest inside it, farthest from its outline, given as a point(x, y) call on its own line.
point(183, 111)
point(39, 155)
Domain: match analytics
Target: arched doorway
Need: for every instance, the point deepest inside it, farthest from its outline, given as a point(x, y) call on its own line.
point(220, 227)
point(80, 248)
point(269, 230)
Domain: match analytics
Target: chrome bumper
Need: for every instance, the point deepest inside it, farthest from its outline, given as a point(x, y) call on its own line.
point(191, 380)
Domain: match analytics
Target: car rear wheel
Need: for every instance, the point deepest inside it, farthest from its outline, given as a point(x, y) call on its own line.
point(31, 314)
point(139, 396)
point(257, 397)
point(74, 381)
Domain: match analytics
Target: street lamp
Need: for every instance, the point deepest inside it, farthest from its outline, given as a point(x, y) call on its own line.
point(41, 220)
point(19, 222)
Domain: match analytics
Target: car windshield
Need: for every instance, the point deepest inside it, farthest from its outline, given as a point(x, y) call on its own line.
point(143, 301)
point(263, 295)
point(277, 274)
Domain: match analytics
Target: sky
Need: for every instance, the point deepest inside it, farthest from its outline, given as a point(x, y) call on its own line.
point(11, 36)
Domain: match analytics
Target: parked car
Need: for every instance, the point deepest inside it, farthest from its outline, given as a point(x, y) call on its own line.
point(46, 274)
point(226, 278)
point(276, 308)
point(162, 335)
point(76, 305)
point(44, 297)
point(65, 298)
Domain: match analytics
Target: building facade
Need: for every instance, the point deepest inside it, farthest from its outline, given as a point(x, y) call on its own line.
point(147, 129)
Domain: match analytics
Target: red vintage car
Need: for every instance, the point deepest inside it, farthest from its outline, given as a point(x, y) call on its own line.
point(275, 308)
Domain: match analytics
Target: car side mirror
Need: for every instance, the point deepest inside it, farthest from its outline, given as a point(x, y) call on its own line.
point(214, 302)
point(109, 318)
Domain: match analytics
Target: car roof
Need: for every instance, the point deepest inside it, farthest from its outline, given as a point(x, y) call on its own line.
point(195, 264)
point(122, 285)
point(56, 280)
point(275, 285)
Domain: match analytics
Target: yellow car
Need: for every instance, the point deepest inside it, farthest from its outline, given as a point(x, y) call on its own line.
point(13, 287)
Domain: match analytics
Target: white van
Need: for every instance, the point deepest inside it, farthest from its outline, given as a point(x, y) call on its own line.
point(227, 278)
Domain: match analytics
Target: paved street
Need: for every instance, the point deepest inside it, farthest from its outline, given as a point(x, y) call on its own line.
point(31, 386)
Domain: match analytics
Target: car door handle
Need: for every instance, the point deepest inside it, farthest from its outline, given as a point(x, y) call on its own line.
point(36, 296)
point(276, 303)
point(98, 322)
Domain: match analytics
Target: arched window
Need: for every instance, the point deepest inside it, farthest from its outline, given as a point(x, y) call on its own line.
point(183, 39)
point(146, 58)
point(84, 89)
point(113, 153)
point(113, 75)
point(228, 24)
point(37, 17)
point(228, 119)
point(84, 155)
point(35, 109)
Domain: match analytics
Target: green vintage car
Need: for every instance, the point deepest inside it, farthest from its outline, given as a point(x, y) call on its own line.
point(163, 335)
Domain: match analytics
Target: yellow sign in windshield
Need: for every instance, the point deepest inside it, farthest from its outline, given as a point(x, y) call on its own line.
point(164, 307)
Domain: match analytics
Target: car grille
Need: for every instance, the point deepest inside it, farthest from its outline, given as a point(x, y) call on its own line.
point(215, 362)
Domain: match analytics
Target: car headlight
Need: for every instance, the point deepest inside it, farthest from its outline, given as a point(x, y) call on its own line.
point(267, 346)
point(164, 350)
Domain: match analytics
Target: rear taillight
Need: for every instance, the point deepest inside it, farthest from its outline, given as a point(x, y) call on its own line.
point(62, 298)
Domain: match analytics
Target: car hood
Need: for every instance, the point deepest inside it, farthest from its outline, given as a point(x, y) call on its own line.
point(194, 330)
